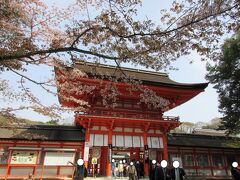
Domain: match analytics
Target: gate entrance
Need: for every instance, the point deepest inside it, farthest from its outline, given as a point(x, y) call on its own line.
point(128, 154)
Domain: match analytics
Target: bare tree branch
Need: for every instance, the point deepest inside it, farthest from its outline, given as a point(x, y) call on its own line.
point(41, 84)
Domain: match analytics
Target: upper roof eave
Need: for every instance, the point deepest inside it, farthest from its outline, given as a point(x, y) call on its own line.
point(147, 77)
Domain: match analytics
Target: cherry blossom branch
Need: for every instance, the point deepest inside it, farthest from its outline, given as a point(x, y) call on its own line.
point(55, 50)
point(80, 35)
point(177, 28)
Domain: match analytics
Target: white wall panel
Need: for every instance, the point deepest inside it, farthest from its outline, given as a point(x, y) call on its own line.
point(119, 141)
point(98, 140)
point(128, 141)
point(155, 142)
point(142, 143)
point(149, 142)
point(91, 140)
point(105, 138)
point(136, 141)
point(125, 141)
point(161, 142)
point(58, 158)
point(114, 140)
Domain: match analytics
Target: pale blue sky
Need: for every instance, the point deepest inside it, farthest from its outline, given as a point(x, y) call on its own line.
point(201, 108)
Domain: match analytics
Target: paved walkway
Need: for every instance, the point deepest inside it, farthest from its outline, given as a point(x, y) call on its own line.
point(110, 178)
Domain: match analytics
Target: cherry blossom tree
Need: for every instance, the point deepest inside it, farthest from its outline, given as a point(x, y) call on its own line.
point(31, 33)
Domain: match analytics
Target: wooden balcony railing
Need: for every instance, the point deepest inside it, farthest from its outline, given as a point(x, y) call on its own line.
point(129, 114)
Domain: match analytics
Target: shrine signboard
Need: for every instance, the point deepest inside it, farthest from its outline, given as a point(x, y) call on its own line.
point(24, 157)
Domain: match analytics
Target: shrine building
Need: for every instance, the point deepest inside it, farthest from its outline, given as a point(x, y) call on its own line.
point(124, 119)
point(44, 150)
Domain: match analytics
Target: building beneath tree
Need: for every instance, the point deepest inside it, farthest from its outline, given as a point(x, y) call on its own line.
point(124, 119)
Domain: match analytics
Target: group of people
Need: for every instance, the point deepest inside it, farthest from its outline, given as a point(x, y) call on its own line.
point(133, 170)
point(160, 171)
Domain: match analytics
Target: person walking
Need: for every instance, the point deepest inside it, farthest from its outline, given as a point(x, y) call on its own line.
point(141, 169)
point(162, 172)
point(138, 168)
point(152, 170)
point(132, 172)
point(80, 170)
point(120, 169)
point(113, 168)
point(125, 166)
point(177, 173)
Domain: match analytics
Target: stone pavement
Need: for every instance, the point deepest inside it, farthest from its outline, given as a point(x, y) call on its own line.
point(110, 178)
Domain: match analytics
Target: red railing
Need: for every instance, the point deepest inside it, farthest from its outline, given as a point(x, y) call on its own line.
point(129, 114)
point(38, 171)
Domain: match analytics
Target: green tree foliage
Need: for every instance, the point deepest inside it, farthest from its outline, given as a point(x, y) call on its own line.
point(225, 75)
point(52, 122)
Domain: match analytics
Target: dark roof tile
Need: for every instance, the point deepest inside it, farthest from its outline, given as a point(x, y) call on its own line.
point(147, 77)
point(192, 140)
point(43, 132)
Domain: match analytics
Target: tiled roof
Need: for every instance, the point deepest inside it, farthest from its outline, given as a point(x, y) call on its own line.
point(73, 133)
point(193, 140)
point(147, 77)
point(43, 132)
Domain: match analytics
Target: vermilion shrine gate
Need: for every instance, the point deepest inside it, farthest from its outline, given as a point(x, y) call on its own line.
point(132, 127)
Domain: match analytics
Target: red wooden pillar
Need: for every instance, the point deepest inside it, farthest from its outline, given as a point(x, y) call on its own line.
point(109, 167)
point(146, 165)
point(8, 165)
point(103, 160)
point(165, 148)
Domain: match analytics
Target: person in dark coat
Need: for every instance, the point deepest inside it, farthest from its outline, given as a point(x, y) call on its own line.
point(113, 168)
point(162, 173)
point(152, 170)
point(235, 171)
point(80, 170)
point(138, 168)
point(141, 169)
point(177, 173)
